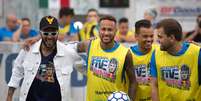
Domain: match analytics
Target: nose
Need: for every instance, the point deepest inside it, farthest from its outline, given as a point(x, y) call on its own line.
point(107, 32)
point(49, 36)
point(149, 39)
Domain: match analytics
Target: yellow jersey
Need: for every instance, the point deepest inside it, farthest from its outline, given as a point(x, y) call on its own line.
point(89, 30)
point(128, 34)
point(64, 30)
point(178, 75)
point(105, 71)
point(141, 64)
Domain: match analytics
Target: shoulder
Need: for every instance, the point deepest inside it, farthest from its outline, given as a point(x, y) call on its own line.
point(68, 48)
point(4, 31)
point(122, 47)
point(2, 28)
point(193, 46)
point(35, 46)
point(134, 48)
point(33, 31)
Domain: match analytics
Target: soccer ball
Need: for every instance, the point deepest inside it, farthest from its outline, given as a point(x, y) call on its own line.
point(118, 96)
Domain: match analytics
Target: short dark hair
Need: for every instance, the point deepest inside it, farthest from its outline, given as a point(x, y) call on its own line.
point(66, 11)
point(142, 23)
point(26, 19)
point(171, 27)
point(92, 10)
point(123, 20)
point(108, 17)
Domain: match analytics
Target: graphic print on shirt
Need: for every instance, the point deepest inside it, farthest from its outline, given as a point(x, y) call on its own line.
point(46, 72)
point(177, 77)
point(105, 68)
point(142, 72)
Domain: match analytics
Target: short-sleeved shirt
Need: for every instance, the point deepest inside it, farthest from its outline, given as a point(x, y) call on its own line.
point(68, 29)
point(32, 33)
point(6, 34)
point(45, 86)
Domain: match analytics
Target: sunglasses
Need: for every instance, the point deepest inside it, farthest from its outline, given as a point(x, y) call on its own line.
point(49, 33)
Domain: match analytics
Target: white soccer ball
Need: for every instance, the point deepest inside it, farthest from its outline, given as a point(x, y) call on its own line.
point(118, 96)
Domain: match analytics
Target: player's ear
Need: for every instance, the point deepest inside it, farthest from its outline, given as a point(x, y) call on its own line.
point(172, 37)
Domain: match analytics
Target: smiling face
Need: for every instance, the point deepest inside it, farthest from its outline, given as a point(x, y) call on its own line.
point(145, 38)
point(49, 37)
point(107, 31)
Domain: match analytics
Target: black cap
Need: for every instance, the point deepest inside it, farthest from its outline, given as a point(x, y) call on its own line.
point(49, 22)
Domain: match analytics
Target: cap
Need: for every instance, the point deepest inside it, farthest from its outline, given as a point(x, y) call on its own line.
point(49, 21)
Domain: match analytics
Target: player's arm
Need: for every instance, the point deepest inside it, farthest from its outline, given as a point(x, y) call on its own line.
point(81, 67)
point(16, 34)
point(131, 76)
point(154, 81)
point(79, 63)
point(83, 46)
point(191, 36)
point(17, 75)
point(30, 41)
point(11, 91)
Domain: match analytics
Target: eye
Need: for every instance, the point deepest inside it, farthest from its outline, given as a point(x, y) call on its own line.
point(45, 33)
point(54, 33)
point(110, 29)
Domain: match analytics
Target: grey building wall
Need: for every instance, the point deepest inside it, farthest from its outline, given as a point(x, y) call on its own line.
point(21, 8)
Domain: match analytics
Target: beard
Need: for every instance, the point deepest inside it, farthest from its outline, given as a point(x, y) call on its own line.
point(165, 47)
point(50, 44)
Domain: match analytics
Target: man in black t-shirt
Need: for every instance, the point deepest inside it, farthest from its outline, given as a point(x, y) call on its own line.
point(195, 35)
point(45, 68)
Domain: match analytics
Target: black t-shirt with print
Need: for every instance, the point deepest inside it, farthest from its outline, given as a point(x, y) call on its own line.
point(45, 86)
point(197, 38)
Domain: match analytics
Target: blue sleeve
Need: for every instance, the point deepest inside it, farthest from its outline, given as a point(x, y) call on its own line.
point(199, 67)
point(33, 33)
point(73, 31)
point(153, 70)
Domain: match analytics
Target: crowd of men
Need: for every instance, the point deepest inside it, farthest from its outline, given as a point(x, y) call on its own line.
point(166, 70)
point(18, 30)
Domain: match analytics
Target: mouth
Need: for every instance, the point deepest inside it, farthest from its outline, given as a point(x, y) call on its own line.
point(50, 43)
point(148, 44)
point(106, 39)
